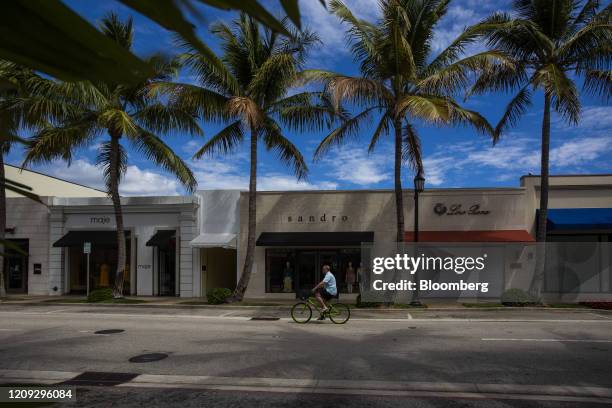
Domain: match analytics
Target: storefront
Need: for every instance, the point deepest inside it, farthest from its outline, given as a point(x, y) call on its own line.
point(300, 231)
point(159, 260)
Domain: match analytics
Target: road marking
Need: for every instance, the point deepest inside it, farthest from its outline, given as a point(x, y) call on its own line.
point(567, 393)
point(551, 340)
point(56, 311)
point(10, 330)
point(409, 316)
point(245, 318)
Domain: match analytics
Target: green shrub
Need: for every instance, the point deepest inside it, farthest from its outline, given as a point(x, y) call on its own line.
point(100, 295)
point(517, 297)
point(218, 296)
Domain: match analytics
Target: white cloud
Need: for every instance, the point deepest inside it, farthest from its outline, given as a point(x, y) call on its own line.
point(353, 164)
point(232, 173)
point(328, 26)
point(514, 156)
point(135, 182)
point(591, 118)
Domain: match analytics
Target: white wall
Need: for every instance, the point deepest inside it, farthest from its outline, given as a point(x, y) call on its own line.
point(30, 220)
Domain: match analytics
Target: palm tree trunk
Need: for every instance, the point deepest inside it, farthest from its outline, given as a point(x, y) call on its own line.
point(116, 199)
point(399, 194)
point(2, 224)
point(538, 278)
point(250, 250)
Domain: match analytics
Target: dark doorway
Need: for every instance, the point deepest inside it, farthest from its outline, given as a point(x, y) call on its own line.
point(16, 267)
point(164, 242)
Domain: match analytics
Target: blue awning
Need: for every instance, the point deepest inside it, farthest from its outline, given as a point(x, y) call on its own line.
point(579, 219)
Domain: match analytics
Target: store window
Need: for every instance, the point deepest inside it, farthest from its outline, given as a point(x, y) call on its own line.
point(299, 270)
point(102, 267)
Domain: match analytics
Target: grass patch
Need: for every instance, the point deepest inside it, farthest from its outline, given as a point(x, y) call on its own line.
point(123, 301)
point(482, 305)
point(201, 302)
point(567, 306)
point(70, 300)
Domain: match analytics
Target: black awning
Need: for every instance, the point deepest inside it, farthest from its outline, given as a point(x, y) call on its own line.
point(161, 238)
point(314, 238)
point(97, 238)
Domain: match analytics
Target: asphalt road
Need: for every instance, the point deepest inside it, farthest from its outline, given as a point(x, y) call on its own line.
point(218, 357)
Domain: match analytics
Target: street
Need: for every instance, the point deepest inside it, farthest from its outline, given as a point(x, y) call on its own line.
point(220, 357)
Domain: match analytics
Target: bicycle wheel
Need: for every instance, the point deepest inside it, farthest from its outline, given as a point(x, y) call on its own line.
point(339, 313)
point(301, 313)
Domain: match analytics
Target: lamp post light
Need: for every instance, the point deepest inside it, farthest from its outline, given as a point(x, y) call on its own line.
point(419, 186)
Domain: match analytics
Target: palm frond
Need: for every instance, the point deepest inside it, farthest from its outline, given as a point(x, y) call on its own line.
point(225, 141)
point(163, 118)
point(457, 75)
point(598, 82)
point(515, 109)
point(347, 129)
point(59, 142)
point(429, 108)
point(154, 149)
point(411, 148)
point(105, 160)
point(561, 88)
point(246, 109)
point(288, 153)
point(382, 129)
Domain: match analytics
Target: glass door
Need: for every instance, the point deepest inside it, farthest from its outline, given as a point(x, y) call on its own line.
point(16, 267)
point(307, 272)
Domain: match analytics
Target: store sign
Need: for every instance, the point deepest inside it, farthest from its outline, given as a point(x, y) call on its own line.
point(99, 220)
point(457, 209)
point(312, 219)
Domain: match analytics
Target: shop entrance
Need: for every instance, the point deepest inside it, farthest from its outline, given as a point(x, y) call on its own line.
point(164, 244)
point(16, 266)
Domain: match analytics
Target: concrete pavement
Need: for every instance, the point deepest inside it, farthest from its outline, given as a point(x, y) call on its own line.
point(536, 357)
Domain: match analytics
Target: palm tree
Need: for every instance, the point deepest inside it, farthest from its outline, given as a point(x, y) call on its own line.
point(402, 81)
point(91, 110)
point(552, 44)
point(16, 82)
point(251, 96)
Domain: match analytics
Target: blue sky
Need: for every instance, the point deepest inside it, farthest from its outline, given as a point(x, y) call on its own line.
point(454, 157)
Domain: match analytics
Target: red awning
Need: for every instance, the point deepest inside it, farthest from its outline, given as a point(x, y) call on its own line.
point(471, 236)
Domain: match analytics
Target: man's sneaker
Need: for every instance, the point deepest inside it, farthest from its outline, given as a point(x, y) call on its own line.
point(322, 317)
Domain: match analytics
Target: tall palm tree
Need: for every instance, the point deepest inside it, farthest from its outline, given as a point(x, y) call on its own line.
point(402, 81)
point(15, 82)
point(552, 44)
point(251, 95)
point(91, 110)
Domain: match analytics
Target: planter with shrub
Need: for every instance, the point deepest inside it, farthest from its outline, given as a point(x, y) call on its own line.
point(218, 296)
point(517, 297)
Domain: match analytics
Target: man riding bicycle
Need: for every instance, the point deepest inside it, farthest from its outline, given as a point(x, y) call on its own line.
point(325, 290)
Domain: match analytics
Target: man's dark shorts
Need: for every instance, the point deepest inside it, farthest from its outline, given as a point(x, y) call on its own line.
point(325, 294)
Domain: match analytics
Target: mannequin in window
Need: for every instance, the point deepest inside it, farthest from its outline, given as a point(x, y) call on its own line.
point(288, 278)
point(349, 277)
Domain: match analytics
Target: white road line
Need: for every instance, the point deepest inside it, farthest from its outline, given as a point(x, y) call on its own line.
point(56, 311)
point(243, 318)
point(551, 340)
point(10, 329)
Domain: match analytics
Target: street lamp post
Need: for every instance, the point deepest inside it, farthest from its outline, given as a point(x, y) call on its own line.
point(419, 186)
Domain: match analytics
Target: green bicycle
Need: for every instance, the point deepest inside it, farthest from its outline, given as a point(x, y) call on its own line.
point(301, 312)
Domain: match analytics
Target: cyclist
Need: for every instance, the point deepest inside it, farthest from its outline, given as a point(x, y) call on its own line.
point(325, 290)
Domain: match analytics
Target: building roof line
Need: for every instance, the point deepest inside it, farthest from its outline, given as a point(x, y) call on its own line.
point(53, 177)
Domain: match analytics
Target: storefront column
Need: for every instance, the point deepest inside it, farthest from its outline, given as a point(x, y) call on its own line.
point(187, 232)
point(57, 282)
